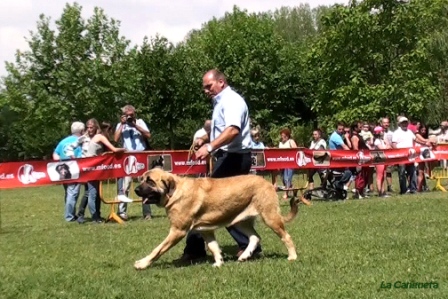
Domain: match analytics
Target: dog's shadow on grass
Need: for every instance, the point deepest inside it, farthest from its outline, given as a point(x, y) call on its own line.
point(228, 252)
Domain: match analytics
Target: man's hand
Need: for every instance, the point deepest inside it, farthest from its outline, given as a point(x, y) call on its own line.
point(202, 153)
point(123, 119)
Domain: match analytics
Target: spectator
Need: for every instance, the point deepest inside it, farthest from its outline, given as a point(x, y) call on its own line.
point(362, 175)
point(380, 144)
point(204, 131)
point(256, 143)
point(336, 140)
point(421, 134)
point(133, 134)
point(387, 137)
point(366, 135)
point(72, 190)
point(404, 138)
point(318, 143)
point(287, 142)
point(97, 142)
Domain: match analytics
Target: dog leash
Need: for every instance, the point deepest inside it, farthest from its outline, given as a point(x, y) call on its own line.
point(191, 152)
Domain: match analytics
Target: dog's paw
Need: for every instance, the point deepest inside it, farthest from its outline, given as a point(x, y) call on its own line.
point(244, 256)
point(292, 258)
point(141, 264)
point(218, 264)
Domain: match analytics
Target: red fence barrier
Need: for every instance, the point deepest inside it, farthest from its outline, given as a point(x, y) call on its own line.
point(38, 173)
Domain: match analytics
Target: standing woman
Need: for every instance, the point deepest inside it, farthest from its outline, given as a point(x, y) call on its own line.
point(287, 142)
point(421, 179)
point(380, 144)
point(97, 145)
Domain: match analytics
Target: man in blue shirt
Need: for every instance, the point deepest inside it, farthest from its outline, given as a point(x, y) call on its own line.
point(336, 142)
point(230, 143)
point(72, 190)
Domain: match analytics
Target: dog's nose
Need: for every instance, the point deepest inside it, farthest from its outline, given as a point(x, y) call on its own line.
point(137, 190)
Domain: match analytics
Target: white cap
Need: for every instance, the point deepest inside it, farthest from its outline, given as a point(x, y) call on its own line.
point(402, 119)
point(77, 127)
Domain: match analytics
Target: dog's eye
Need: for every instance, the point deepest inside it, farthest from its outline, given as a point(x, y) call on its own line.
point(151, 182)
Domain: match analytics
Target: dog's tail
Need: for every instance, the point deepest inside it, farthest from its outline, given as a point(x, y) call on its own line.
point(294, 203)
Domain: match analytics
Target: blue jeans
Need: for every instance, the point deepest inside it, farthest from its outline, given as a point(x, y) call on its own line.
point(71, 197)
point(287, 177)
point(93, 202)
point(405, 172)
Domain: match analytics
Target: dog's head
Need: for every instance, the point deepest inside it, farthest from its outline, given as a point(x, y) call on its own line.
point(64, 171)
point(156, 186)
point(426, 153)
point(158, 163)
point(320, 157)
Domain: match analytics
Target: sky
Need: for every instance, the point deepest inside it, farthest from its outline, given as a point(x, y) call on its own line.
point(171, 19)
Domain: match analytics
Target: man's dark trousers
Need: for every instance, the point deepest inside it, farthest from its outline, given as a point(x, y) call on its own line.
point(226, 165)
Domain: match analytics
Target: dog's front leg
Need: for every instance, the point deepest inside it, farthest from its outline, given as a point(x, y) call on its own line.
point(209, 238)
point(174, 236)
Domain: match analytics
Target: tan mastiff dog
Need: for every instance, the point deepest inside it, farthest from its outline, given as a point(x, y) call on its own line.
point(205, 204)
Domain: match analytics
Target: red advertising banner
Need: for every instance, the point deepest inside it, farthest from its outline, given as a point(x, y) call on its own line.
point(38, 173)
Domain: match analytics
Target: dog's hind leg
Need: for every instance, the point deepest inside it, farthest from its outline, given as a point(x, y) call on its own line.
point(275, 221)
point(174, 236)
point(212, 244)
point(247, 228)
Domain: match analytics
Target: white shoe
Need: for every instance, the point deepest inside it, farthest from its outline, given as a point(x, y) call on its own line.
point(124, 198)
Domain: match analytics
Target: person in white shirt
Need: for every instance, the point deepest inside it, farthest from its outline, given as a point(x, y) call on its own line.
point(404, 138)
point(387, 137)
point(133, 133)
point(380, 144)
point(318, 143)
point(204, 131)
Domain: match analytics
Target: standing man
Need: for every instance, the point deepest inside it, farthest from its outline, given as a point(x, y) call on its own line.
point(133, 134)
point(230, 143)
point(72, 190)
point(405, 138)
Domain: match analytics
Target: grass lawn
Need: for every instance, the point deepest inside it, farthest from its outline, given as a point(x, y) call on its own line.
point(346, 250)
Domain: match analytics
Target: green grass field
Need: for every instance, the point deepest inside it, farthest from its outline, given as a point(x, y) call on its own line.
point(346, 250)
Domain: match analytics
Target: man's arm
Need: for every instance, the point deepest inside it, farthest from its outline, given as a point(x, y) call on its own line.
point(226, 137)
point(143, 129)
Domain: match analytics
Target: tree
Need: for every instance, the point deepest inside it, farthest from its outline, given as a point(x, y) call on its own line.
point(247, 48)
point(371, 61)
point(79, 71)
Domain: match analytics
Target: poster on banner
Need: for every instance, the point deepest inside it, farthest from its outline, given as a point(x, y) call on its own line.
point(62, 171)
point(165, 161)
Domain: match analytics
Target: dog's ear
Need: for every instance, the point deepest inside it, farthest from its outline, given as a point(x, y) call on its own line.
point(169, 184)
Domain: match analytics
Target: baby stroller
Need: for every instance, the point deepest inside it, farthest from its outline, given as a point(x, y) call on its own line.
point(332, 185)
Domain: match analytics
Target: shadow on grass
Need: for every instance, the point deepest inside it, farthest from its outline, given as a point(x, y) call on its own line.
point(229, 255)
